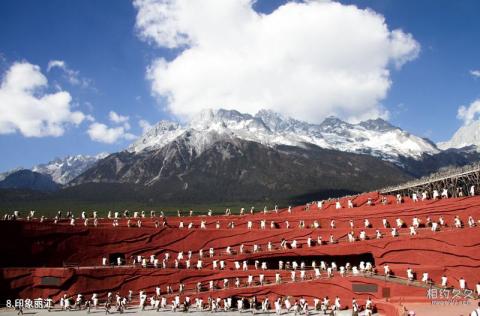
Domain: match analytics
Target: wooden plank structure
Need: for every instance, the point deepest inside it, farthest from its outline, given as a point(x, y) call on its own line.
point(457, 181)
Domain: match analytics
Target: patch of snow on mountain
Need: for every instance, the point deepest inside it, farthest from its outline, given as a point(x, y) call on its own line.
point(158, 136)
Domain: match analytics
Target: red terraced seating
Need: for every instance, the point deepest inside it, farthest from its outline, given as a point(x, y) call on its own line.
point(450, 251)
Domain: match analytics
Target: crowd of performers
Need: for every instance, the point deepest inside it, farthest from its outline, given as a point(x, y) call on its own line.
point(302, 272)
point(135, 219)
point(216, 257)
point(298, 270)
point(158, 302)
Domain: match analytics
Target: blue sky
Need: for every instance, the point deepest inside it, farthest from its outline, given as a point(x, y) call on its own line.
point(99, 43)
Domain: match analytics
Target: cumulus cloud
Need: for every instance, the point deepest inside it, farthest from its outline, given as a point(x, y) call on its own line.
point(475, 73)
point(117, 118)
point(144, 125)
point(105, 134)
point(25, 107)
point(305, 59)
point(470, 113)
point(73, 76)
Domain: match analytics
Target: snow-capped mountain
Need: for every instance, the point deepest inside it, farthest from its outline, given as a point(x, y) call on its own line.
point(225, 155)
point(63, 170)
point(465, 136)
point(212, 166)
point(375, 137)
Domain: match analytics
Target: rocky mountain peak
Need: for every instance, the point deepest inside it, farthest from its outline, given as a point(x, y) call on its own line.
point(377, 125)
point(332, 123)
point(277, 122)
point(221, 119)
point(63, 170)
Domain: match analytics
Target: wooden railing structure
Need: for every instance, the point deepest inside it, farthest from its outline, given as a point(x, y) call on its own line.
point(457, 181)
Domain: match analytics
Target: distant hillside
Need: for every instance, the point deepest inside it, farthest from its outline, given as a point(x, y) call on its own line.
point(27, 179)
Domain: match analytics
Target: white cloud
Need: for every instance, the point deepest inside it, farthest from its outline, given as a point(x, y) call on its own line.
point(305, 59)
point(102, 133)
point(26, 107)
point(145, 125)
point(469, 114)
point(55, 63)
point(475, 73)
point(73, 76)
point(117, 118)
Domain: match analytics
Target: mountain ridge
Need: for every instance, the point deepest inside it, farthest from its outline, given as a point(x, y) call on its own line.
point(236, 169)
point(63, 170)
point(375, 137)
point(27, 179)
